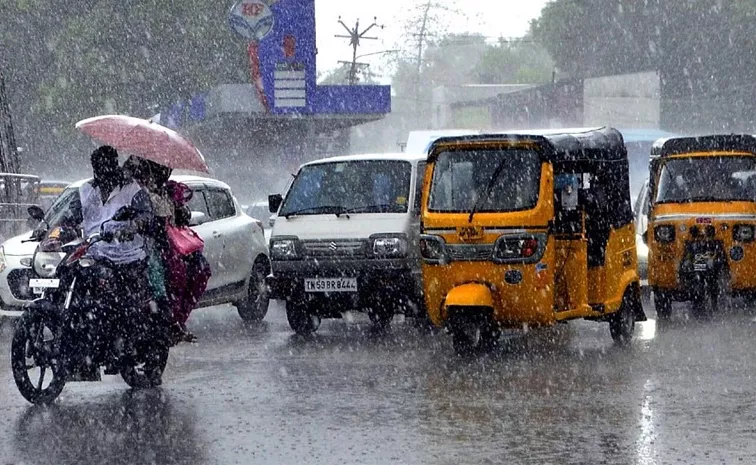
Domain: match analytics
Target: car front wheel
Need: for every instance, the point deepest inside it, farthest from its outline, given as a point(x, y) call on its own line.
point(255, 306)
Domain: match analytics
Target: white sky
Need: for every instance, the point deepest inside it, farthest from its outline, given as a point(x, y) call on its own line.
point(492, 18)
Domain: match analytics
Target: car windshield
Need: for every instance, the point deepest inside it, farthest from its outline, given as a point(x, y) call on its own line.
point(360, 186)
point(707, 179)
point(59, 210)
point(486, 181)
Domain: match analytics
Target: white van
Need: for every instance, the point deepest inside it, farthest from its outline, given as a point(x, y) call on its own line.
point(345, 238)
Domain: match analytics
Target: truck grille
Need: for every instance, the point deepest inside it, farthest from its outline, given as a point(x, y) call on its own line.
point(335, 248)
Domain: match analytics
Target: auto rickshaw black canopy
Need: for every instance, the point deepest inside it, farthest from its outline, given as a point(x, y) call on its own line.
point(709, 143)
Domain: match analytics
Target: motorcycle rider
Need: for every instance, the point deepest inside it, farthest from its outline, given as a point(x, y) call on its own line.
point(99, 199)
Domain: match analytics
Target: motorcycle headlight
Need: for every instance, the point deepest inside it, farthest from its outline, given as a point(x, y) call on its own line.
point(45, 263)
point(664, 233)
point(3, 263)
point(433, 249)
point(743, 233)
point(283, 249)
point(389, 246)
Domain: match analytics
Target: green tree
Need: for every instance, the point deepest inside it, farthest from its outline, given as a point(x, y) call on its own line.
point(518, 62)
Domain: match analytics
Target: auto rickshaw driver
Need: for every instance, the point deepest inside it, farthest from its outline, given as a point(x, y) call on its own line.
point(536, 244)
point(702, 221)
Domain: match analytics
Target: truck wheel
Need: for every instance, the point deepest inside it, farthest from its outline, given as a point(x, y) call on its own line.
point(663, 305)
point(380, 317)
point(622, 322)
point(254, 308)
point(302, 319)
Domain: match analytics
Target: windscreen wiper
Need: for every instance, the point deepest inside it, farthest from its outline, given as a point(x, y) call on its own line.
point(487, 191)
point(377, 208)
point(337, 210)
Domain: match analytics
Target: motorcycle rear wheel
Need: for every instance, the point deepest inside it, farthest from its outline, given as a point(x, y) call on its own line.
point(148, 372)
point(34, 339)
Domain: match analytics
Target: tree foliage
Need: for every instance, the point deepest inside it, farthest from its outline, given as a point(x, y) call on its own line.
point(698, 46)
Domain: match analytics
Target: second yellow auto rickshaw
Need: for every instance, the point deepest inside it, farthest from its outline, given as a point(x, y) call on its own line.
point(528, 229)
point(702, 221)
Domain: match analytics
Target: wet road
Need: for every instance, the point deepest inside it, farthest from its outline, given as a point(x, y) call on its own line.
point(683, 393)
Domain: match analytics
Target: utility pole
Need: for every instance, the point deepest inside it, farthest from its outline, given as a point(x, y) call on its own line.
point(420, 42)
point(8, 148)
point(354, 40)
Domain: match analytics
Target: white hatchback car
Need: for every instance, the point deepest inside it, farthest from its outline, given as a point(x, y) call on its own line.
point(235, 247)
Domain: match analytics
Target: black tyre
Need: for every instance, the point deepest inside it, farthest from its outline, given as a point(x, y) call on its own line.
point(663, 305)
point(622, 322)
point(254, 308)
point(302, 319)
point(705, 303)
point(34, 348)
point(147, 371)
point(380, 316)
point(472, 334)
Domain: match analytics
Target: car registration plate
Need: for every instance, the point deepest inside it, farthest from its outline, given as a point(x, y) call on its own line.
point(39, 285)
point(330, 285)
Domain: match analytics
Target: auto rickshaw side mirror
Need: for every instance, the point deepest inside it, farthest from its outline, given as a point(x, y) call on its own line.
point(274, 202)
point(36, 212)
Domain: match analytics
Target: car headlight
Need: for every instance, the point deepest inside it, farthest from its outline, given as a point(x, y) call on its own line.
point(664, 233)
point(3, 262)
point(283, 249)
point(389, 246)
point(45, 263)
point(433, 249)
point(743, 233)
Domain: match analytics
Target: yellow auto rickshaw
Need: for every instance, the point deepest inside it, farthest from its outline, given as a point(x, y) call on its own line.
point(528, 229)
point(702, 220)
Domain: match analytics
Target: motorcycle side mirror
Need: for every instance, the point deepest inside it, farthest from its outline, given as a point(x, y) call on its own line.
point(197, 218)
point(274, 202)
point(125, 214)
point(36, 212)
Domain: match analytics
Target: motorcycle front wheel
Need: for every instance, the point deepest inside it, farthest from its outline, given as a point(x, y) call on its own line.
point(35, 362)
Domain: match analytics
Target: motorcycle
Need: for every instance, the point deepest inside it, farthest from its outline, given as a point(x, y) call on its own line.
point(78, 326)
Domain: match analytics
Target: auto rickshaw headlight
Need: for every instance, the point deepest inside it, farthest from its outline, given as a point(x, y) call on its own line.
point(743, 233)
point(433, 249)
point(389, 246)
point(664, 233)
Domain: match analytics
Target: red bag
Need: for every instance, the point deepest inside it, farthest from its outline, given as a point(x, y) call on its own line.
point(184, 240)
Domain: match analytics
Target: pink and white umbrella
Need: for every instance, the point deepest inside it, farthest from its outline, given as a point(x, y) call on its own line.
point(145, 139)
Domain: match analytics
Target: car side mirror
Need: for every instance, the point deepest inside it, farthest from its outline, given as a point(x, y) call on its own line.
point(272, 221)
point(644, 236)
point(125, 213)
point(274, 202)
point(36, 212)
point(197, 218)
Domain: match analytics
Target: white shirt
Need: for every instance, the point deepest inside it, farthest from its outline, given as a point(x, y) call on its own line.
point(95, 213)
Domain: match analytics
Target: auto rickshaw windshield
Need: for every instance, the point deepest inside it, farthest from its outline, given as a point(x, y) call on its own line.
point(485, 181)
point(707, 179)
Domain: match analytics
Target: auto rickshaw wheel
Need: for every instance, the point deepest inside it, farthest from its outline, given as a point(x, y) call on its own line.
point(472, 332)
point(706, 301)
point(663, 305)
point(622, 322)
